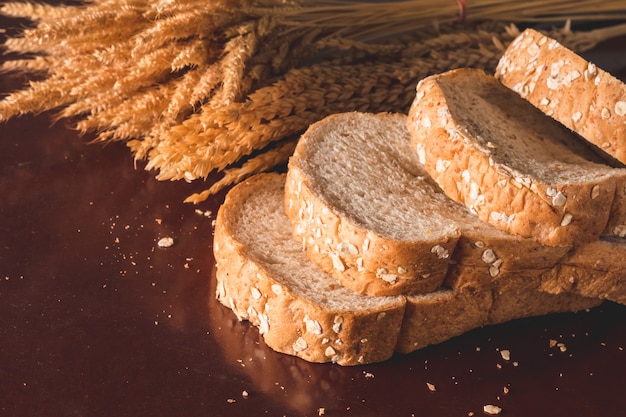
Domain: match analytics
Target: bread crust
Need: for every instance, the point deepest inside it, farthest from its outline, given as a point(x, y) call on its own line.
point(511, 305)
point(437, 317)
point(565, 86)
point(555, 213)
point(616, 225)
point(475, 302)
point(597, 270)
point(474, 278)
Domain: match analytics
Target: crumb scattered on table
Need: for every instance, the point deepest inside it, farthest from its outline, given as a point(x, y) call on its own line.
point(492, 409)
point(165, 242)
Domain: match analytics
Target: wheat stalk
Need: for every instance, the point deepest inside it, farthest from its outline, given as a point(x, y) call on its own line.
point(195, 87)
point(265, 161)
point(371, 20)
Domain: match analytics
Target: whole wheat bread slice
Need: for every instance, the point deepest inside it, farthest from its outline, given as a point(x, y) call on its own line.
point(505, 160)
point(564, 85)
point(368, 213)
point(362, 210)
point(264, 277)
point(575, 92)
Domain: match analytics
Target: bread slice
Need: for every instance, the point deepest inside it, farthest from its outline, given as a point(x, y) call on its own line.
point(364, 210)
point(577, 93)
point(497, 154)
point(583, 97)
point(369, 214)
point(264, 277)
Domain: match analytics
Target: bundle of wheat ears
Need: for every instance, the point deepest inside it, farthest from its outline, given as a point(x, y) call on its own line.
point(196, 87)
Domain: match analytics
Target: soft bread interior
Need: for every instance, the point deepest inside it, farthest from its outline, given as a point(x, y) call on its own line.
point(364, 167)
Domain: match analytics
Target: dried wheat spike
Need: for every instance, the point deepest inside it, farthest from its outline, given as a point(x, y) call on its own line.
point(265, 161)
point(216, 139)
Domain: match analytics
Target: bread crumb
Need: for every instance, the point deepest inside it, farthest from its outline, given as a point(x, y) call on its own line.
point(368, 374)
point(431, 387)
point(506, 354)
point(245, 394)
point(492, 409)
point(207, 213)
point(159, 221)
point(560, 345)
point(231, 401)
point(165, 242)
point(321, 411)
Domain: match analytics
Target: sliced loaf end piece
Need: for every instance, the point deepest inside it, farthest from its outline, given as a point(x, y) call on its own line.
point(264, 277)
point(565, 86)
point(597, 269)
point(365, 210)
point(506, 161)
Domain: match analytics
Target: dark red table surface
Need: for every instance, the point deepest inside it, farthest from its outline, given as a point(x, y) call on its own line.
point(97, 320)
